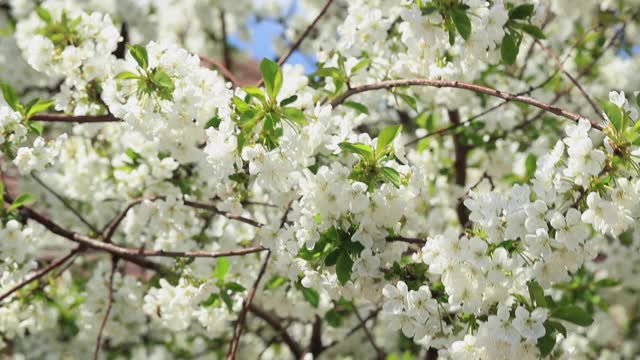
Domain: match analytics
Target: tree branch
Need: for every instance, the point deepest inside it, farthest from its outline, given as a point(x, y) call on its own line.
point(226, 73)
point(460, 166)
point(276, 324)
point(245, 308)
point(465, 86)
point(114, 264)
point(55, 117)
point(40, 273)
point(380, 353)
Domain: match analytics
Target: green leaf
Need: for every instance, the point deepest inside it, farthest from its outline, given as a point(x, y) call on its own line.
point(241, 106)
point(344, 267)
point(530, 165)
point(295, 115)
point(391, 175)
point(214, 122)
point(222, 267)
point(275, 282)
point(509, 49)
point(410, 100)
point(255, 92)
point(534, 31)
point(1, 196)
point(574, 314)
point(332, 258)
point(558, 326)
point(39, 106)
point(272, 76)
point(43, 14)
point(521, 12)
point(134, 156)
point(462, 22)
point(547, 343)
point(607, 282)
point(126, 75)
point(162, 80)
point(360, 65)
point(427, 120)
point(139, 53)
point(328, 71)
point(10, 97)
point(21, 200)
point(387, 135)
point(614, 114)
point(358, 148)
point(227, 300)
point(311, 296)
point(333, 318)
point(289, 100)
point(234, 287)
point(357, 107)
point(536, 293)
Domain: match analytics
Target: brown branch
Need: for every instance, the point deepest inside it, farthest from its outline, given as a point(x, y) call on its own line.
point(276, 324)
point(460, 166)
point(416, 241)
point(202, 206)
point(379, 351)
point(465, 86)
point(304, 35)
point(114, 265)
point(573, 79)
point(371, 315)
point(130, 254)
point(226, 51)
point(315, 343)
point(55, 117)
point(64, 202)
point(245, 308)
point(226, 73)
point(40, 273)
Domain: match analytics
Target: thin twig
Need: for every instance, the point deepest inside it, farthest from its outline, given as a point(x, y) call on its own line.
point(304, 35)
point(465, 86)
point(226, 51)
point(379, 351)
point(276, 324)
point(114, 265)
point(55, 117)
point(226, 73)
point(245, 308)
point(40, 273)
point(64, 202)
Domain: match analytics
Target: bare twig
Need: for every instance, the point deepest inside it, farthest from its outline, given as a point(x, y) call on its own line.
point(379, 351)
point(226, 73)
point(114, 265)
point(460, 166)
point(40, 273)
point(225, 46)
point(245, 308)
point(55, 117)
point(64, 202)
point(304, 35)
point(276, 324)
point(465, 86)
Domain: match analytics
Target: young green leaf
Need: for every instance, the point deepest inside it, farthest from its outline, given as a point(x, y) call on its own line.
point(360, 65)
point(139, 53)
point(272, 75)
point(288, 101)
point(21, 200)
point(311, 296)
point(547, 342)
point(357, 107)
point(222, 267)
point(43, 14)
point(162, 80)
point(241, 106)
point(614, 114)
point(387, 135)
point(344, 266)
point(462, 22)
point(294, 114)
point(358, 148)
point(410, 100)
point(391, 175)
point(39, 106)
point(10, 97)
point(126, 75)
point(521, 12)
point(536, 293)
point(574, 314)
point(509, 49)
point(533, 31)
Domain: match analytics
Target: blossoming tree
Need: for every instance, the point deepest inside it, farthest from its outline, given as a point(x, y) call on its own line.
point(456, 179)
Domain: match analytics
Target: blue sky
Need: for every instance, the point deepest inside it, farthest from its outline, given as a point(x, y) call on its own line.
point(260, 45)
